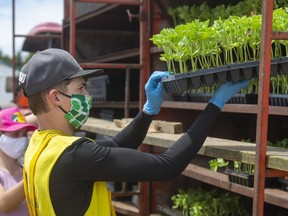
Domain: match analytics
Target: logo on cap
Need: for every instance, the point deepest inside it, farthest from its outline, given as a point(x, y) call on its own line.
point(22, 77)
point(18, 117)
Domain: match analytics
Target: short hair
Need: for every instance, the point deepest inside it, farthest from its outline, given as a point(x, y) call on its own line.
point(37, 102)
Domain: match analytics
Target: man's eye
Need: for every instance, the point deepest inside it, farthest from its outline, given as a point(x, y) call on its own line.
point(83, 87)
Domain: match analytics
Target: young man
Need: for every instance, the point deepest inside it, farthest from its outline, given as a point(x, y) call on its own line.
point(64, 174)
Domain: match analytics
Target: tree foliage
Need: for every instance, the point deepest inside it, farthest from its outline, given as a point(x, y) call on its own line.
point(20, 59)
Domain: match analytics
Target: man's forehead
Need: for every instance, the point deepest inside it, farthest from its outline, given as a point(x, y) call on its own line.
point(78, 81)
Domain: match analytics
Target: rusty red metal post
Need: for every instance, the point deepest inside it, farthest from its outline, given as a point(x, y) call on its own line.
point(145, 34)
point(13, 51)
point(125, 2)
point(72, 44)
point(127, 93)
point(263, 108)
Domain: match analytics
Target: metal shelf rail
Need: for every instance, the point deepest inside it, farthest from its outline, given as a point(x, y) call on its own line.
point(267, 35)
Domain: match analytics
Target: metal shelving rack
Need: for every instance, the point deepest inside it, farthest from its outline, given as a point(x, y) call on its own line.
point(262, 110)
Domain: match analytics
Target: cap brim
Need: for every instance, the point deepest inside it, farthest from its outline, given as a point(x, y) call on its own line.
point(17, 127)
point(87, 73)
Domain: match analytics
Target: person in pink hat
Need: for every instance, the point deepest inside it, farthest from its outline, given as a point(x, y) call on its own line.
point(13, 143)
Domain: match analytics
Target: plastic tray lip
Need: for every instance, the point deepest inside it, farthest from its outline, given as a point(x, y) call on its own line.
point(231, 68)
point(223, 68)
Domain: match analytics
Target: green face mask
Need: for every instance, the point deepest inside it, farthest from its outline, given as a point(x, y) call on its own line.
point(79, 111)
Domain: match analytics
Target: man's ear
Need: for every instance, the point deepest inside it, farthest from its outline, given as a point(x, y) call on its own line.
point(53, 97)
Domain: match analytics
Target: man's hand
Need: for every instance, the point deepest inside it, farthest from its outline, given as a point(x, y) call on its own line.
point(226, 91)
point(154, 93)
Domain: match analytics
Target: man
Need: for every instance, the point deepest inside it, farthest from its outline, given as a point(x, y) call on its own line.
point(66, 175)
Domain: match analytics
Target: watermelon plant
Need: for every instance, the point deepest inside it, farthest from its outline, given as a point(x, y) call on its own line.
point(199, 45)
point(199, 202)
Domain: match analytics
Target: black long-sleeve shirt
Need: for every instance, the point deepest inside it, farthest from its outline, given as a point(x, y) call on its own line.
point(118, 159)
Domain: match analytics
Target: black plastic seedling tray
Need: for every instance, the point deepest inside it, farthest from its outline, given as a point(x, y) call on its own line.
point(245, 179)
point(219, 75)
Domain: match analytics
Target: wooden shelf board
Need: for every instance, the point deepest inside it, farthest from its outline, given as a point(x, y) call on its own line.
point(234, 108)
point(272, 195)
point(125, 208)
point(277, 158)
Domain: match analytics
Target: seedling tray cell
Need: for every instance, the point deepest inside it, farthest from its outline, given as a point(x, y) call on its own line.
point(176, 86)
point(284, 183)
point(278, 100)
point(207, 80)
point(220, 75)
point(194, 82)
point(233, 75)
point(274, 99)
point(200, 97)
point(284, 68)
point(274, 70)
point(240, 177)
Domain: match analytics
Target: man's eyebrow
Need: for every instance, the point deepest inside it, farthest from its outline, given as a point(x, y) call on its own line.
point(83, 84)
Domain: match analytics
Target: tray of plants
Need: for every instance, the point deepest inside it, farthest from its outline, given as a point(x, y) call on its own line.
point(219, 75)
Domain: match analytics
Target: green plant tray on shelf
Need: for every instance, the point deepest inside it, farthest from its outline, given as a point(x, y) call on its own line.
point(284, 183)
point(205, 98)
point(274, 99)
point(219, 75)
point(241, 178)
point(247, 180)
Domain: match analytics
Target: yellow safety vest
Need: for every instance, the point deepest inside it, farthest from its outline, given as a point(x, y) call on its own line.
point(44, 149)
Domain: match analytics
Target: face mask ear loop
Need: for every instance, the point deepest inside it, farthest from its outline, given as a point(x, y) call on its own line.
point(65, 96)
point(62, 109)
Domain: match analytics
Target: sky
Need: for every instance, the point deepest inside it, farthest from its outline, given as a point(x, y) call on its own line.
point(28, 13)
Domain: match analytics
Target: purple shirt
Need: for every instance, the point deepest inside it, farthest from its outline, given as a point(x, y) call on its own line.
point(7, 182)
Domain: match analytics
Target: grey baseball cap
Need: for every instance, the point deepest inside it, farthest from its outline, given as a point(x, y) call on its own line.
point(49, 67)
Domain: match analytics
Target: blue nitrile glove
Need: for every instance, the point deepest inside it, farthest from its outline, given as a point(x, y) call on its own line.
point(226, 91)
point(154, 93)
